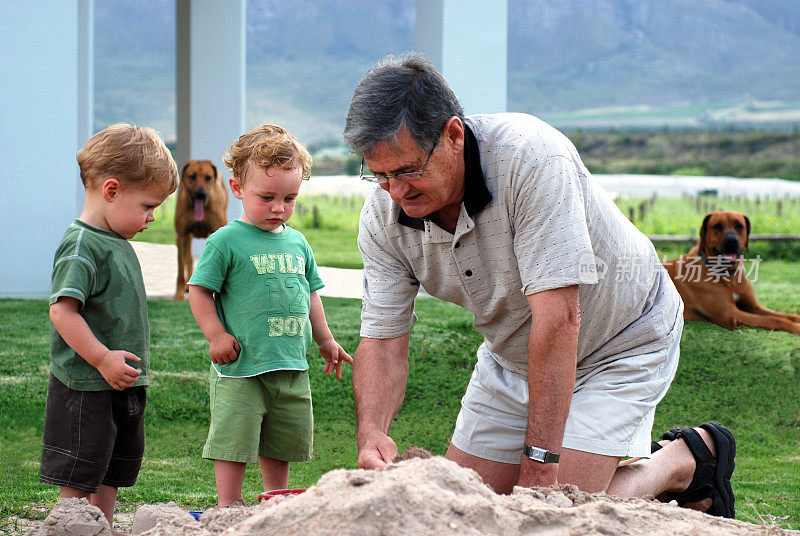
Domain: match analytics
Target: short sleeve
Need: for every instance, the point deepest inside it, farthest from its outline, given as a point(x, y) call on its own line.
point(75, 276)
point(211, 269)
point(387, 307)
point(551, 240)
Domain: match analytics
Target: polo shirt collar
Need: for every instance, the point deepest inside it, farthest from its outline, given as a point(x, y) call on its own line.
point(476, 194)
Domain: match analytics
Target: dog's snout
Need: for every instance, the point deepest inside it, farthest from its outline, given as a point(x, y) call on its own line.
point(730, 242)
point(200, 194)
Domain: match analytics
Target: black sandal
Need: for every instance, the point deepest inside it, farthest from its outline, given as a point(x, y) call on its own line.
point(712, 477)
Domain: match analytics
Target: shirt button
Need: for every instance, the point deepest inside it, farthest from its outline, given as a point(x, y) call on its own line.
point(468, 273)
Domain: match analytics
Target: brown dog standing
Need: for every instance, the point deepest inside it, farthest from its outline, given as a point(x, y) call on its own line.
point(200, 210)
point(712, 282)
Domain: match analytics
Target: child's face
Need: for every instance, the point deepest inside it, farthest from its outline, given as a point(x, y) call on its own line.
point(132, 209)
point(268, 195)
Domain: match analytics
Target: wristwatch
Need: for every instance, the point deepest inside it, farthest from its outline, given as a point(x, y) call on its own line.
point(540, 455)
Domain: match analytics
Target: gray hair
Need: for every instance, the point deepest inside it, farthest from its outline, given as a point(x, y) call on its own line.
point(405, 92)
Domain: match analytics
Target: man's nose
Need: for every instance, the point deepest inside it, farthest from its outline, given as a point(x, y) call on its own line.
point(397, 188)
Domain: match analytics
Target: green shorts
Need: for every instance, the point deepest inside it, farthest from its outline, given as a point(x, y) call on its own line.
point(266, 415)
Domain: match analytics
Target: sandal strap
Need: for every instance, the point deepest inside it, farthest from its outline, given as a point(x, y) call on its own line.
point(701, 486)
point(697, 446)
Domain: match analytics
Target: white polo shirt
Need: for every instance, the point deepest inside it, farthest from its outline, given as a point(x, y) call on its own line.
point(532, 219)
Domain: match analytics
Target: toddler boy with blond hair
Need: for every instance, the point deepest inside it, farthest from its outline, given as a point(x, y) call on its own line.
point(253, 293)
point(100, 338)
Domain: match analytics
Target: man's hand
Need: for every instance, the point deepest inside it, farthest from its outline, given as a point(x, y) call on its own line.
point(375, 450)
point(224, 348)
point(335, 356)
point(534, 474)
point(116, 372)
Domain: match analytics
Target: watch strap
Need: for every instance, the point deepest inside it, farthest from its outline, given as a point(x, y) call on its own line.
point(538, 454)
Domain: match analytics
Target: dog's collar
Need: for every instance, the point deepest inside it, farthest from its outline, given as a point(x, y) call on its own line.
point(719, 269)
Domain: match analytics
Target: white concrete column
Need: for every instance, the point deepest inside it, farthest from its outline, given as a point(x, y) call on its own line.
point(45, 117)
point(467, 40)
point(211, 73)
point(85, 80)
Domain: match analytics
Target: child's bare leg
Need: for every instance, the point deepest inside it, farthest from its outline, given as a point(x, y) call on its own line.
point(230, 476)
point(106, 500)
point(274, 473)
point(72, 493)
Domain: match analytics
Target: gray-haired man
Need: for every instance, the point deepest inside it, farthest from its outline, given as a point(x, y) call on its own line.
point(498, 214)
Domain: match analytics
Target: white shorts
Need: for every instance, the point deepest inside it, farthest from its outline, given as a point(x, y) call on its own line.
point(612, 408)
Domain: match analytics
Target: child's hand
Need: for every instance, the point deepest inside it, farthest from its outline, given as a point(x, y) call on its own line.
point(224, 349)
point(335, 356)
point(116, 372)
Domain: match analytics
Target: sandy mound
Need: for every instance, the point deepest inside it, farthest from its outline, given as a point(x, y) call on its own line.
point(435, 496)
point(73, 517)
point(167, 515)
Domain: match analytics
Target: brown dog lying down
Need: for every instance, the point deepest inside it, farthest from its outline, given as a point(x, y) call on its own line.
point(200, 210)
point(711, 278)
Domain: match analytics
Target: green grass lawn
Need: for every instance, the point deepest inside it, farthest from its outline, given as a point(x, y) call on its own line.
point(747, 379)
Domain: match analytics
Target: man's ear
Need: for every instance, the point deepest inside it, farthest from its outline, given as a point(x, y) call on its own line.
point(110, 188)
point(236, 187)
point(454, 132)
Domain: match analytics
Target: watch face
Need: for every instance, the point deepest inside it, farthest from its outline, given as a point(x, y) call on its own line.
point(536, 454)
point(541, 455)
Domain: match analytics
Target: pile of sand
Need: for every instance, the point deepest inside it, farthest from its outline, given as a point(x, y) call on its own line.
point(436, 496)
point(73, 517)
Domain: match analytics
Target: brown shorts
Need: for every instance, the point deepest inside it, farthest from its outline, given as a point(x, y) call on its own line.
point(92, 437)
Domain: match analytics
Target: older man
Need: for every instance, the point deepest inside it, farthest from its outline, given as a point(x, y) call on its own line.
point(498, 214)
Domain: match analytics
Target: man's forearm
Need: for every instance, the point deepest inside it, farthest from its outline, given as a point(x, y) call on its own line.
point(552, 358)
point(551, 382)
point(380, 373)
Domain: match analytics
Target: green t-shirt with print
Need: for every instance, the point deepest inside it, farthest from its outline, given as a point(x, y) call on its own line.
point(262, 282)
point(99, 269)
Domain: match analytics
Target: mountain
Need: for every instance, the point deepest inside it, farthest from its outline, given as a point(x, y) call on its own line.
point(641, 52)
point(574, 62)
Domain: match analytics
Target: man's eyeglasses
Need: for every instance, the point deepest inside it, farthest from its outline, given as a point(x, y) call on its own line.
point(407, 176)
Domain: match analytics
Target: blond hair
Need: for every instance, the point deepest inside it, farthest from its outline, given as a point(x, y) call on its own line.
point(267, 146)
point(135, 156)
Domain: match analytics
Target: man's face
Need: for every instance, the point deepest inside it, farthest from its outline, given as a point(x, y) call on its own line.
point(442, 184)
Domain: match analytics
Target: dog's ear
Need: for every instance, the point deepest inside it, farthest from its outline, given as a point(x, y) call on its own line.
point(216, 172)
point(703, 228)
point(747, 236)
point(183, 169)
